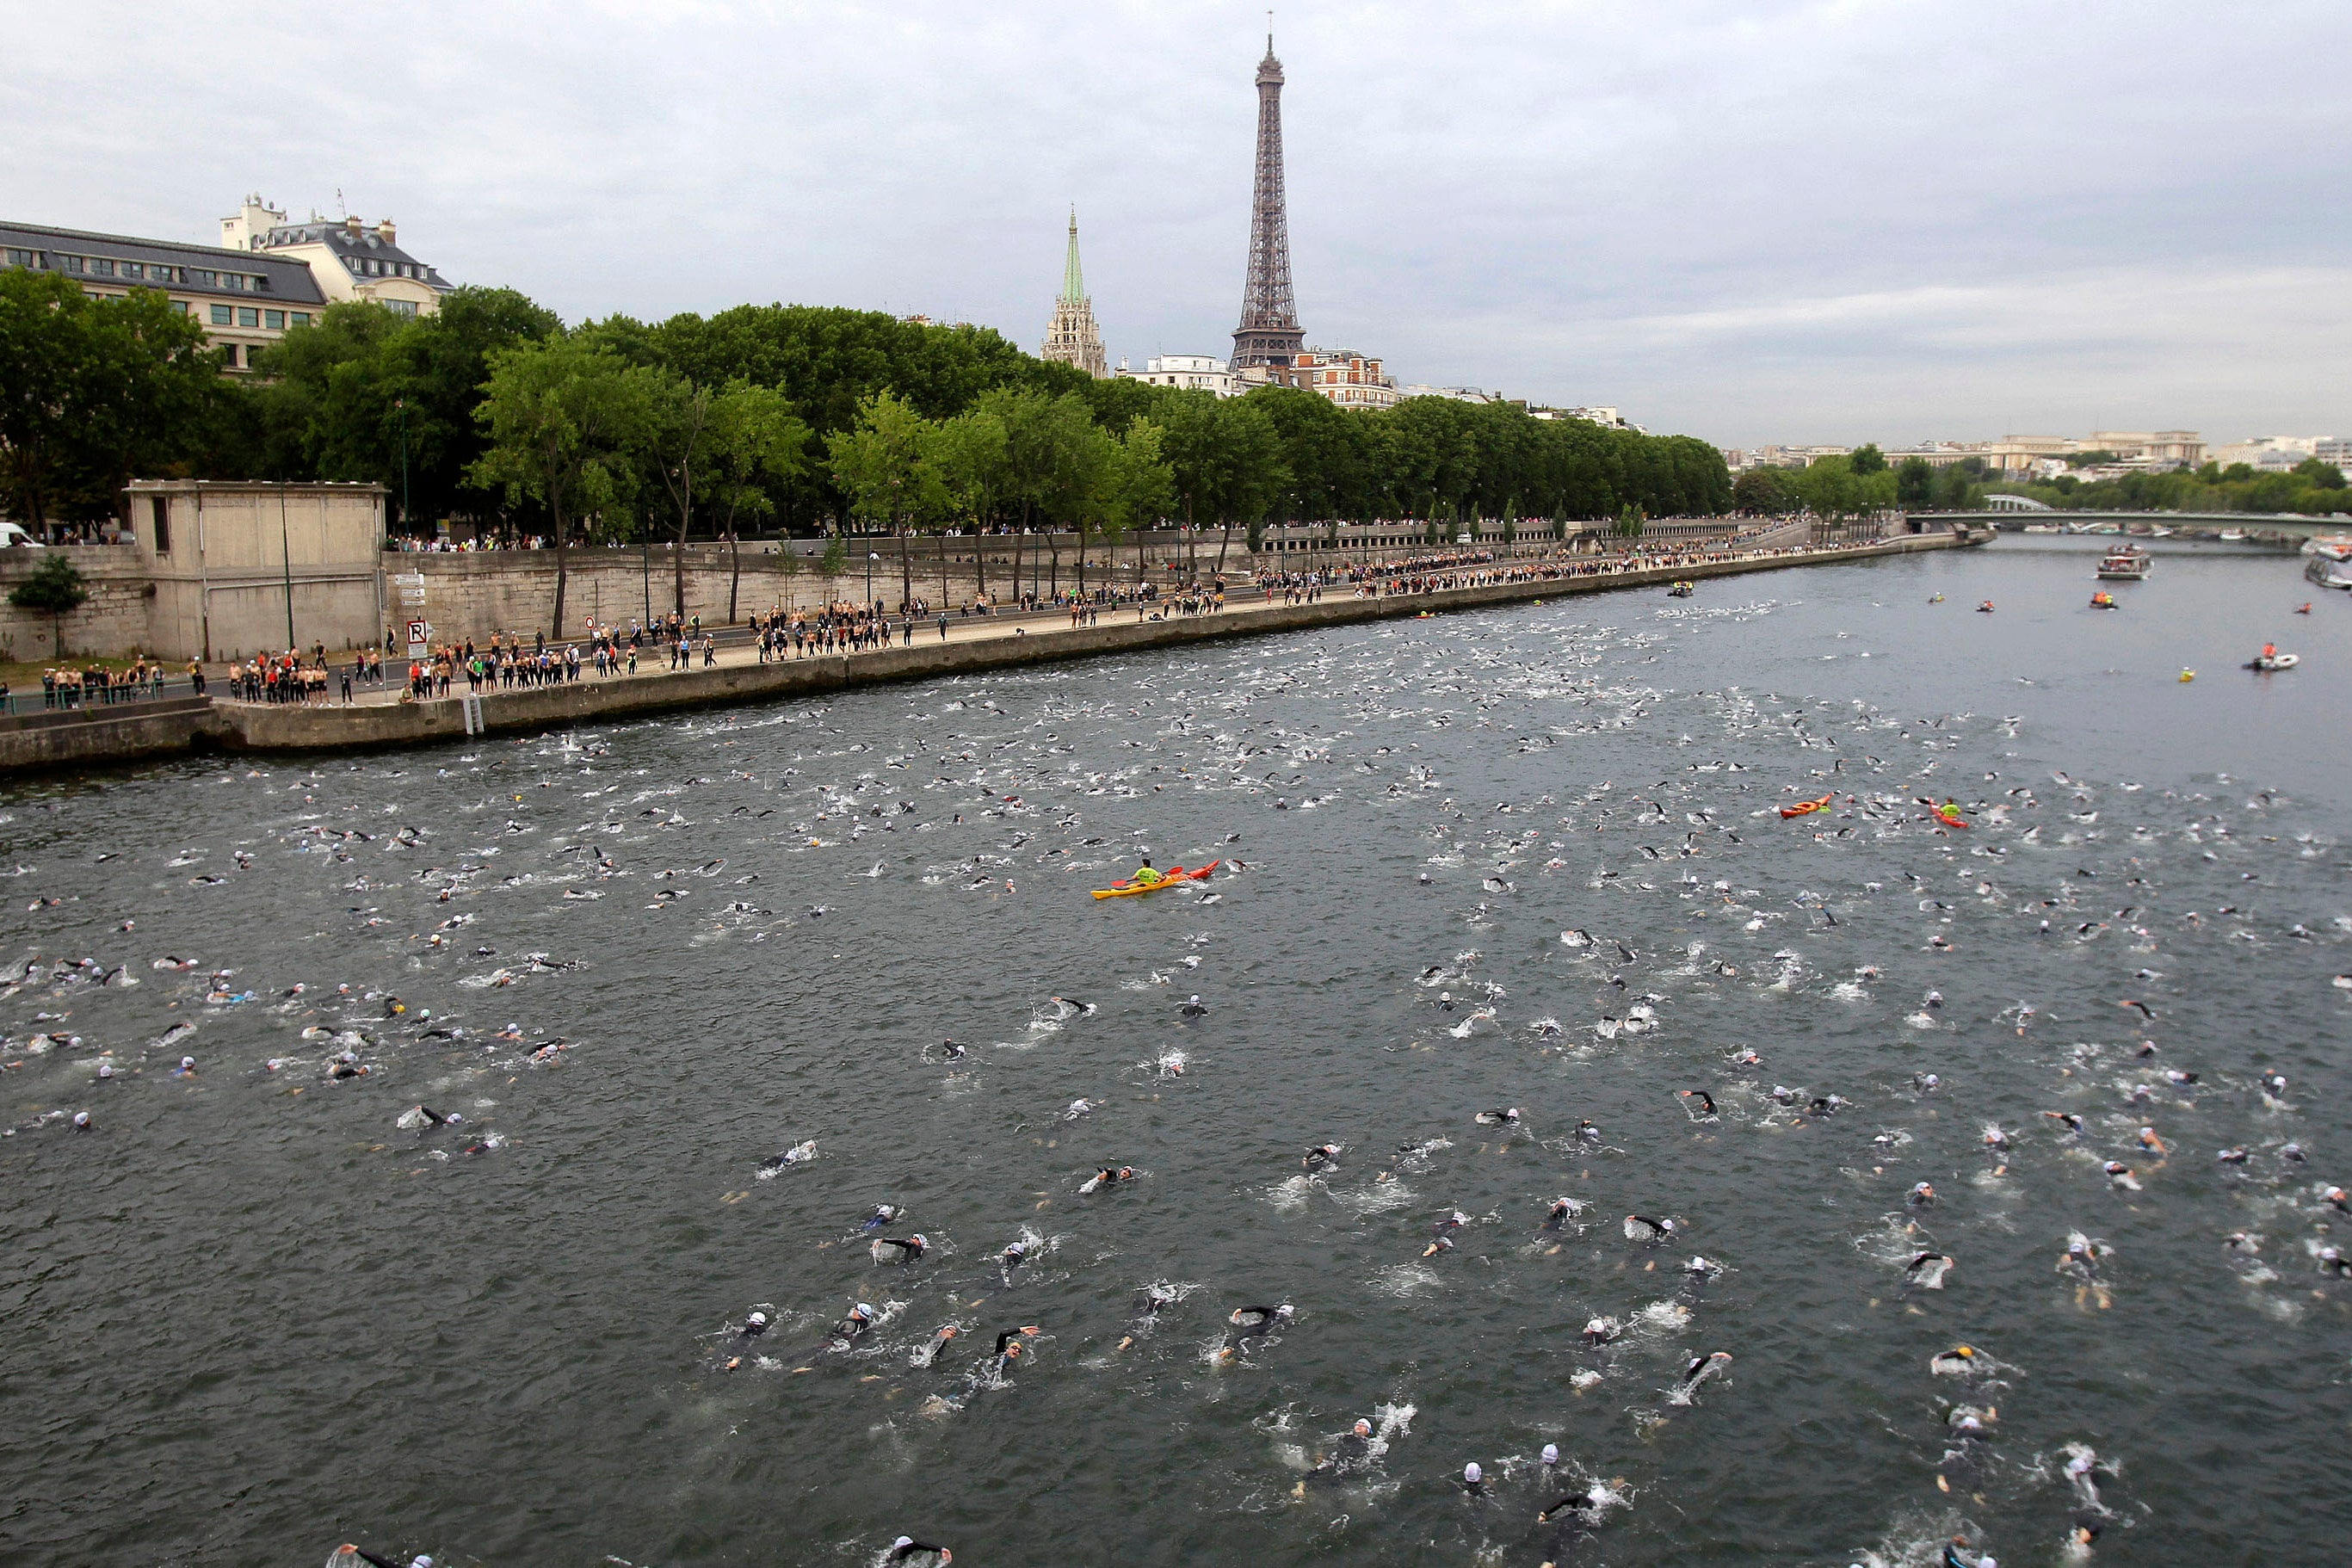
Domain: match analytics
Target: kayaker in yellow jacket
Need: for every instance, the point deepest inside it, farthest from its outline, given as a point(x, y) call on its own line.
point(1144, 875)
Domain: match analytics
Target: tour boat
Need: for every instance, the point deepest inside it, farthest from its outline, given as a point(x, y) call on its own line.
point(2233, 536)
point(2125, 563)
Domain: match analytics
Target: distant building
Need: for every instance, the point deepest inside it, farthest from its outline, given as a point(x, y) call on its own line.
point(1459, 394)
point(1593, 414)
point(1195, 372)
point(1074, 339)
point(1345, 377)
point(242, 301)
point(350, 260)
point(2274, 454)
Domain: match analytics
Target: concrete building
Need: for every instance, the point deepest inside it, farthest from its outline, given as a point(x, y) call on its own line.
point(1591, 413)
point(243, 301)
point(348, 260)
point(1196, 373)
point(1345, 377)
point(238, 568)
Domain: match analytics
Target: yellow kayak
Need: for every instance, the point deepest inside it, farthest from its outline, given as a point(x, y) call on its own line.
point(1175, 874)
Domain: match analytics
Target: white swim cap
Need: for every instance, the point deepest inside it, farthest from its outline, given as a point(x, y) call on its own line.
point(902, 1540)
point(81, 1119)
point(1363, 1427)
point(421, 1560)
point(864, 1311)
point(760, 1318)
point(1552, 1453)
point(1471, 1473)
point(187, 1061)
point(106, 1070)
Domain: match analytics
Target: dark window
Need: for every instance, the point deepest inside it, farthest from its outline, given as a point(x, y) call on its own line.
point(162, 525)
point(228, 351)
point(67, 263)
point(221, 318)
point(261, 285)
point(274, 320)
point(101, 266)
point(246, 316)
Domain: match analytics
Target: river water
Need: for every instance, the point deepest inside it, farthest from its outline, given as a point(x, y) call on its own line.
point(250, 1315)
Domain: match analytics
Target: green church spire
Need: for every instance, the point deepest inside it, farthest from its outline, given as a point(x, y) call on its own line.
point(1073, 282)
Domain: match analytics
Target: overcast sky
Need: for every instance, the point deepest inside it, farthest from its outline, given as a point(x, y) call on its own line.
point(1765, 221)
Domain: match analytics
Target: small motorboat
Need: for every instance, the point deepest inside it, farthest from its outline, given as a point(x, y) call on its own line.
point(2268, 662)
point(2330, 565)
point(2103, 600)
point(1682, 591)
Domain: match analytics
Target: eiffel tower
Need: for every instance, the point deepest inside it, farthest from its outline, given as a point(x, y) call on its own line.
point(1074, 339)
point(1269, 334)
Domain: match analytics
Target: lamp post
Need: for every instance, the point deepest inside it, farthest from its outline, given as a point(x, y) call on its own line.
point(400, 405)
point(285, 556)
point(870, 559)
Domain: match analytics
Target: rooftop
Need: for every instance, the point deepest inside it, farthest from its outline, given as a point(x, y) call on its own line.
point(197, 269)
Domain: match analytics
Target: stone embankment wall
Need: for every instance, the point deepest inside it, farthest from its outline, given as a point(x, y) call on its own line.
point(114, 620)
point(41, 740)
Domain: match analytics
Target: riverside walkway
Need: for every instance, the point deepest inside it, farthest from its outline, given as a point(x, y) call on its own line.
point(391, 717)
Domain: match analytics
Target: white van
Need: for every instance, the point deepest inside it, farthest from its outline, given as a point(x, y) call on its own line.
point(13, 536)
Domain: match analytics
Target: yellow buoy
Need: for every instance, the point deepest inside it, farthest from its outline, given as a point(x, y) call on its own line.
point(2186, 676)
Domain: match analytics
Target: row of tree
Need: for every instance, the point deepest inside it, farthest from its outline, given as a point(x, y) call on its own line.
point(788, 418)
point(2312, 486)
point(1858, 484)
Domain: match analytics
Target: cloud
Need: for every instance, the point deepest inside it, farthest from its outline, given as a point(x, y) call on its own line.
point(1752, 219)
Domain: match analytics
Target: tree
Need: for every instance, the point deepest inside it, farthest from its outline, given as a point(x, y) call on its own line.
point(758, 445)
point(1868, 459)
point(91, 390)
point(562, 418)
point(1765, 492)
point(969, 455)
point(881, 467)
point(1915, 484)
point(55, 590)
point(2320, 474)
point(676, 433)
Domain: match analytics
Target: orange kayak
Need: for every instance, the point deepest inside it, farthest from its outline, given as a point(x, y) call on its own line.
point(1807, 807)
point(1174, 875)
point(1951, 818)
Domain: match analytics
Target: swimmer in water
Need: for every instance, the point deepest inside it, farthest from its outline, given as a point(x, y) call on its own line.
point(1588, 1132)
point(906, 1249)
point(1015, 1254)
point(1581, 1504)
point(1953, 1362)
point(1926, 1269)
point(883, 1214)
point(1107, 1177)
point(1148, 1304)
point(1746, 1058)
point(1599, 1331)
point(1473, 1479)
point(1254, 1323)
point(1955, 1554)
point(2066, 1118)
point(1009, 1347)
point(792, 1156)
point(1085, 1009)
point(1077, 1108)
point(1321, 1157)
point(1194, 1007)
point(1701, 1099)
point(1699, 1369)
point(1497, 1118)
point(907, 1549)
point(861, 1318)
point(2121, 1175)
point(1641, 1227)
point(929, 1355)
point(1922, 1194)
point(1562, 1210)
point(953, 1050)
